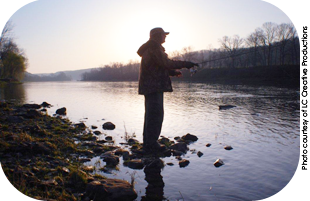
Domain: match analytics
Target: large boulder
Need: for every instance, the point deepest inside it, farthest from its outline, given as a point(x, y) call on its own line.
point(110, 190)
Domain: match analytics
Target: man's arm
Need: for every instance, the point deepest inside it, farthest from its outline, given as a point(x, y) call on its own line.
point(161, 59)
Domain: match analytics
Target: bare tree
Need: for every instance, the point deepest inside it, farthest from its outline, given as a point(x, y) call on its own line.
point(6, 35)
point(295, 46)
point(284, 33)
point(253, 41)
point(175, 55)
point(268, 38)
point(187, 53)
point(231, 45)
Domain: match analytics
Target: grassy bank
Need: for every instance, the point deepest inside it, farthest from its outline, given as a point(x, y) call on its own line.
point(39, 153)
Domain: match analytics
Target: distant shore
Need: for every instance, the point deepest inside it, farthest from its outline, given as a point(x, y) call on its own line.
point(280, 76)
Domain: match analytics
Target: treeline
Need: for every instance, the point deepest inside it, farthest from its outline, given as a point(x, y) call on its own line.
point(13, 62)
point(269, 45)
point(114, 72)
point(46, 78)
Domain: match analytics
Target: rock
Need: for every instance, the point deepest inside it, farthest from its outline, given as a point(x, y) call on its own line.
point(133, 141)
point(97, 132)
point(177, 138)
point(88, 168)
point(80, 125)
point(110, 190)
point(108, 126)
point(177, 153)
point(170, 164)
point(61, 111)
point(167, 153)
point(109, 138)
point(218, 163)
point(65, 170)
point(181, 146)
point(110, 158)
point(178, 158)
point(189, 137)
point(199, 153)
point(208, 145)
point(87, 153)
point(183, 163)
point(126, 156)
point(99, 149)
point(45, 104)
point(120, 152)
point(135, 164)
point(165, 141)
point(51, 182)
point(94, 127)
point(226, 107)
point(228, 147)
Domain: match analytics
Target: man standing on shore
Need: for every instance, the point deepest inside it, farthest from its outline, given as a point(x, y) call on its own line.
point(154, 80)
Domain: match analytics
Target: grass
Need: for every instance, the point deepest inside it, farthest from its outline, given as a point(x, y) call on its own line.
point(29, 171)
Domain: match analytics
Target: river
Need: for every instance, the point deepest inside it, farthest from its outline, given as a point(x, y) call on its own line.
point(263, 130)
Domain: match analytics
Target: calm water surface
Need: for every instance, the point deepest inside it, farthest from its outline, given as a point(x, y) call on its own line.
point(263, 130)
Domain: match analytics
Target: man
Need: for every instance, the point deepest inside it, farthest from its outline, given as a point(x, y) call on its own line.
point(154, 80)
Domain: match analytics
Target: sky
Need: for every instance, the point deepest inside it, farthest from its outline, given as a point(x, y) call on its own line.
point(59, 35)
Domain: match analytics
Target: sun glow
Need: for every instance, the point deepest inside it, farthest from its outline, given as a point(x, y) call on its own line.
point(134, 31)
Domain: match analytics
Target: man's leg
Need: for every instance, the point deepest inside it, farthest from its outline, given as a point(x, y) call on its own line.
point(153, 119)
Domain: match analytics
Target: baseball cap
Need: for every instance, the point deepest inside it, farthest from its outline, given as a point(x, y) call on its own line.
point(158, 30)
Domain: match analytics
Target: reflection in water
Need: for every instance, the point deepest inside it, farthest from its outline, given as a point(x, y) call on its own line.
point(13, 92)
point(155, 187)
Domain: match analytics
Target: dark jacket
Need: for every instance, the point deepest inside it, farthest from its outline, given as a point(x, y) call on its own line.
point(156, 68)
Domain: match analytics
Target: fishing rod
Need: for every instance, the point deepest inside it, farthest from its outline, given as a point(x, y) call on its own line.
point(194, 69)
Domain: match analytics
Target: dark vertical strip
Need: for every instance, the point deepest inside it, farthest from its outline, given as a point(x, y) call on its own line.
point(305, 97)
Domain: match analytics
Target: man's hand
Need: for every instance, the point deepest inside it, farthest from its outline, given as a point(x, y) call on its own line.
point(178, 73)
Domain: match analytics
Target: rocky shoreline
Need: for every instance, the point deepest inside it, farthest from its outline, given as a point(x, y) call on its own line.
point(43, 156)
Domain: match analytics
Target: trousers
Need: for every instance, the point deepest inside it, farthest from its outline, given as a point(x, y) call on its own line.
point(153, 118)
